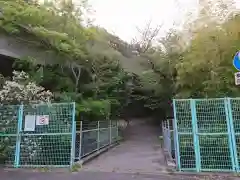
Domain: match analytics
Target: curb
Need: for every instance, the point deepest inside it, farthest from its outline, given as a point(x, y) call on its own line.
point(171, 166)
point(169, 160)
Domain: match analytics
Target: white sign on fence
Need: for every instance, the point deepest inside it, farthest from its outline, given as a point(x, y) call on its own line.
point(42, 120)
point(29, 124)
point(237, 78)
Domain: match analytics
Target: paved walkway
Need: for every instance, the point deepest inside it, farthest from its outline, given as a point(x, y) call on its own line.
point(139, 153)
point(18, 175)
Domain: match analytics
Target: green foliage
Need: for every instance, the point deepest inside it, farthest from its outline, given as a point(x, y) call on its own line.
point(195, 64)
point(86, 68)
point(93, 110)
point(209, 60)
point(89, 59)
point(90, 64)
point(45, 27)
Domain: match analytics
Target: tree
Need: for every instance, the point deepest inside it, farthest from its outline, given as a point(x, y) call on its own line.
point(206, 59)
point(213, 50)
point(146, 38)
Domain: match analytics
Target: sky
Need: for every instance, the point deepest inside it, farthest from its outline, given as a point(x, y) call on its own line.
point(121, 17)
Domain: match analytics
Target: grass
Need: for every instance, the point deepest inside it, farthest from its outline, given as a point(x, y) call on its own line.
point(76, 167)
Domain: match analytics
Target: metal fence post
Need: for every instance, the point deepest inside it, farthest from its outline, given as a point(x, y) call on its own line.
point(168, 137)
point(73, 148)
point(164, 135)
point(231, 135)
point(116, 131)
point(195, 134)
point(110, 132)
point(98, 136)
point(18, 138)
point(176, 138)
point(80, 141)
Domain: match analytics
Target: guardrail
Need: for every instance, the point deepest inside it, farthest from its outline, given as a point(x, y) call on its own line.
point(92, 138)
point(168, 138)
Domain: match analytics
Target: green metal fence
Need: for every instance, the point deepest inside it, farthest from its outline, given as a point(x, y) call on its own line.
point(207, 134)
point(37, 135)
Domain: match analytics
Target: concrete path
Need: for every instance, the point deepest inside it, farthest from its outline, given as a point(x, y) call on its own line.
point(140, 153)
point(19, 175)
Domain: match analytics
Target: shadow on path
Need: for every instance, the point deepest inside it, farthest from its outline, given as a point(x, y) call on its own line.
point(139, 153)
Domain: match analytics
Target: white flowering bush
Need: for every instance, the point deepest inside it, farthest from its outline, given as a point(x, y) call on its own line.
point(21, 90)
point(14, 92)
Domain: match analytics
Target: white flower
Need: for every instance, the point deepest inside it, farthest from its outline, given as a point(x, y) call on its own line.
point(20, 89)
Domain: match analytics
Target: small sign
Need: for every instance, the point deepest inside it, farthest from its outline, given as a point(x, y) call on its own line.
point(42, 120)
point(236, 61)
point(29, 124)
point(237, 78)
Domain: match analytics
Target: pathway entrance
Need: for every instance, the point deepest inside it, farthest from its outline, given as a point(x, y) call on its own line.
point(140, 152)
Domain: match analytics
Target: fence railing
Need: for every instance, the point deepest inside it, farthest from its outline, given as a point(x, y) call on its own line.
point(91, 138)
point(168, 138)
